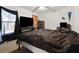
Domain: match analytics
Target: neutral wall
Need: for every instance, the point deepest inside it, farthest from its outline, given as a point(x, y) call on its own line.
point(75, 21)
point(21, 11)
point(53, 19)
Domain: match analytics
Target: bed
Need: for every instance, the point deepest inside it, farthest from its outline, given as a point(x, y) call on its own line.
point(44, 40)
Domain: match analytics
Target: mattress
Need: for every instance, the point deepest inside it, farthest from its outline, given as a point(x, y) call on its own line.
point(32, 48)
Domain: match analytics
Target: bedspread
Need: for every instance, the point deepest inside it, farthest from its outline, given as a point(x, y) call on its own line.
point(50, 40)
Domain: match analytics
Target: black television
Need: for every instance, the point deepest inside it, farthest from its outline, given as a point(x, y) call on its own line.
point(63, 24)
point(26, 21)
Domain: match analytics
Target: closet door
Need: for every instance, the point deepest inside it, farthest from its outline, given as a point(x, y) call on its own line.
point(35, 21)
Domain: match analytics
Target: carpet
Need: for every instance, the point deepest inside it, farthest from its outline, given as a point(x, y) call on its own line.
point(22, 50)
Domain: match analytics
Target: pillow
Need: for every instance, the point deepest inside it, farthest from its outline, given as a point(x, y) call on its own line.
point(65, 29)
point(62, 29)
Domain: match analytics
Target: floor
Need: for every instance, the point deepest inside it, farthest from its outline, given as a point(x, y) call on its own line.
point(12, 47)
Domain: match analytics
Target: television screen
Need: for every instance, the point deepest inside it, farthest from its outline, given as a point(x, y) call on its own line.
point(63, 24)
point(26, 21)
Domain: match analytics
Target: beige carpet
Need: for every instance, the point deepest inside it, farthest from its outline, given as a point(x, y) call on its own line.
point(22, 50)
point(9, 46)
point(12, 47)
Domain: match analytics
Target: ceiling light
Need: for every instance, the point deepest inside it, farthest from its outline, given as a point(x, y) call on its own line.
point(42, 8)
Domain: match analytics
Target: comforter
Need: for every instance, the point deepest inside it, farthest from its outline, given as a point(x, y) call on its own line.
point(51, 40)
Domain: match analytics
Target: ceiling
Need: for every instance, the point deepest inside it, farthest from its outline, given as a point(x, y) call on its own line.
point(43, 9)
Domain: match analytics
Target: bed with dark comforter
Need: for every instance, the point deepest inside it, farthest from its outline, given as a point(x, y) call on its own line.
point(51, 40)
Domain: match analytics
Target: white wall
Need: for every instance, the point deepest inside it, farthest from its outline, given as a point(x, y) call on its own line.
point(53, 19)
point(21, 11)
point(75, 21)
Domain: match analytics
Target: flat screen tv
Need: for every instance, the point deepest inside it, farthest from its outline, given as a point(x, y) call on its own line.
point(63, 24)
point(26, 21)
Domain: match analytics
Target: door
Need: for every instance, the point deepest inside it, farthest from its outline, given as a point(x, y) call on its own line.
point(35, 21)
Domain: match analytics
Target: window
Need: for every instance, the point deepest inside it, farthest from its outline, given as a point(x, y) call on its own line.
point(8, 22)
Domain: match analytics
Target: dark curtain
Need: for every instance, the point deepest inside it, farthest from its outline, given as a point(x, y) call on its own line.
point(16, 30)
